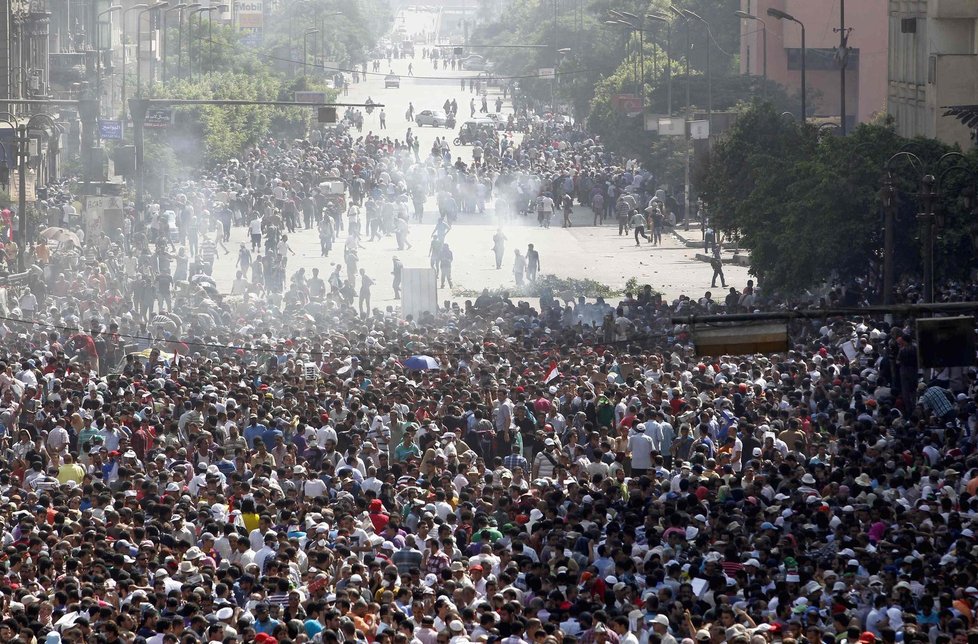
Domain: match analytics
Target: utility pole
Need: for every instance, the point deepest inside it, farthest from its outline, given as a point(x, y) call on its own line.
point(843, 59)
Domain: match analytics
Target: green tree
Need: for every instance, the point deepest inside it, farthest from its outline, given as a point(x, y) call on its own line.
point(807, 205)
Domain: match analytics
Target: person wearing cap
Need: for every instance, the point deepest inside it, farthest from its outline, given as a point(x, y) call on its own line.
point(546, 462)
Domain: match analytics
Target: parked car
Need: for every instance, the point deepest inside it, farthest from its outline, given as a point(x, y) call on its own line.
point(497, 119)
point(392, 81)
point(434, 118)
point(474, 62)
point(475, 130)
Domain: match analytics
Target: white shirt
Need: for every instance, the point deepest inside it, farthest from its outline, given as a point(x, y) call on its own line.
point(314, 488)
point(641, 445)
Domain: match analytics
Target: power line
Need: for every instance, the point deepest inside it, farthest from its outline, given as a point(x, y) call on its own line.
point(284, 59)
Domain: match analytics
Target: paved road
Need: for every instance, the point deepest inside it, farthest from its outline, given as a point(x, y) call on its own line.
point(582, 251)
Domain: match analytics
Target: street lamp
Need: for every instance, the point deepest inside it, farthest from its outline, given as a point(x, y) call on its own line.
point(928, 194)
point(627, 27)
point(322, 27)
point(781, 15)
point(686, 214)
point(190, 38)
point(166, 49)
point(305, 42)
point(189, 7)
point(139, 44)
point(709, 73)
point(749, 16)
point(135, 7)
point(664, 20)
point(98, 66)
point(633, 23)
point(210, 35)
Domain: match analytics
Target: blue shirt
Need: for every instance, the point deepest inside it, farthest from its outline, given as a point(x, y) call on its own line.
point(267, 626)
point(253, 432)
point(269, 435)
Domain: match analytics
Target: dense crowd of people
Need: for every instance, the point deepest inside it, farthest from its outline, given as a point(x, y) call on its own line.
point(288, 464)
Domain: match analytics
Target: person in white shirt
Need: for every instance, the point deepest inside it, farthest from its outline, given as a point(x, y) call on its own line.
point(314, 486)
point(267, 550)
point(640, 445)
point(242, 554)
point(654, 431)
point(57, 439)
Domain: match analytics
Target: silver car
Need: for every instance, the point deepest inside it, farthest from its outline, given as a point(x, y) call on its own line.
point(434, 118)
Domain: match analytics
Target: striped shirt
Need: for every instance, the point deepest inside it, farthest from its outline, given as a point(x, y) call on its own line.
point(208, 250)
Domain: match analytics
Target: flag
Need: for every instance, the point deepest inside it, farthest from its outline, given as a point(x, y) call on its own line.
point(551, 373)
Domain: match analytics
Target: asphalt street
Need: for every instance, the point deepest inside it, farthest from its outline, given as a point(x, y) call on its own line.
point(581, 251)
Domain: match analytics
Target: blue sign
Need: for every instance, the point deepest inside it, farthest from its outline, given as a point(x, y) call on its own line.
point(110, 130)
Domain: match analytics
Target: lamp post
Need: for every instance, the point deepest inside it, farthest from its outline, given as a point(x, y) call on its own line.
point(888, 199)
point(633, 23)
point(189, 7)
point(139, 44)
point(305, 42)
point(843, 60)
point(98, 65)
point(190, 39)
point(928, 194)
point(627, 27)
point(210, 35)
point(166, 48)
point(322, 27)
point(135, 7)
point(749, 16)
point(664, 20)
point(686, 214)
point(781, 15)
point(709, 71)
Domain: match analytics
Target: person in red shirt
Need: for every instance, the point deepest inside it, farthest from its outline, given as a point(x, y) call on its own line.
point(378, 517)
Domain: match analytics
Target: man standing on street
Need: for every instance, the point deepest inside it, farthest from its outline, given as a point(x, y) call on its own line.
point(567, 205)
point(445, 258)
point(396, 273)
point(545, 209)
point(365, 284)
point(383, 119)
point(717, 263)
point(532, 263)
point(499, 247)
point(638, 223)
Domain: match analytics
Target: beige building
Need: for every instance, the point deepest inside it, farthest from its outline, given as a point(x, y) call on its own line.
point(933, 64)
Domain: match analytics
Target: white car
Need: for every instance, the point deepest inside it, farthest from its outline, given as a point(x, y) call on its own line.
point(474, 62)
point(434, 118)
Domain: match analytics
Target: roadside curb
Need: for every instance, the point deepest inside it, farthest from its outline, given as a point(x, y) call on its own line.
point(737, 260)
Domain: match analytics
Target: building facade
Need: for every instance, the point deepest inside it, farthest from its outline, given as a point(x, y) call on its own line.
point(933, 65)
point(866, 53)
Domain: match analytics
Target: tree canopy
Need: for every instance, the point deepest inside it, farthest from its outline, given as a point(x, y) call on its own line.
point(807, 205)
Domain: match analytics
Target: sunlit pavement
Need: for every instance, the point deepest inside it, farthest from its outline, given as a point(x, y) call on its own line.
point(582, 251)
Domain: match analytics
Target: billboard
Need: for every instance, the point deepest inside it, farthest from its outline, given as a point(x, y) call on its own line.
point(249, 15)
